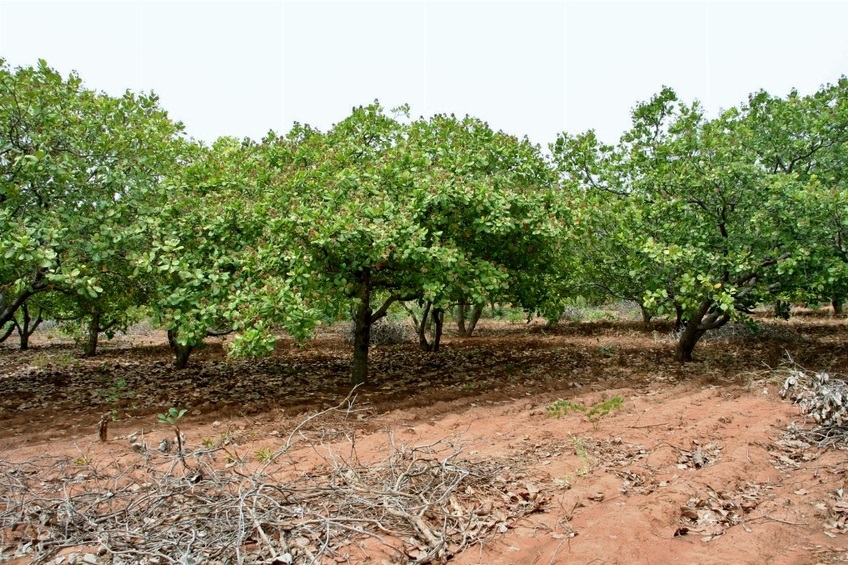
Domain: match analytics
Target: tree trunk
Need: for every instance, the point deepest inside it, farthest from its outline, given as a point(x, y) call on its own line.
point(437, 318)
point(460, 320)
point(422, 327)
point(837, 305)
point(8, 309)
point(466, 325)
point(687, 341)
point(181, 352)
point(646, 315)
point(8, 332)
point(476, 313)
point(436, 327)
point(181, 356)
point(678, 321)
point(93, 333)
point(23, 328)
point(361, 337)
point(781, 309)
point(7, 314)
point(438, 322)
point(699, 323)
point(28, 327)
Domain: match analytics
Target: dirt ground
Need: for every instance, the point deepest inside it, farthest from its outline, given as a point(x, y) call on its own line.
point(694, 467)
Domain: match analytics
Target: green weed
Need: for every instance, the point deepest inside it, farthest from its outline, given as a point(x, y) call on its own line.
point(63, 360)
point(115, 393)
point(594, 414)
point(581, 452)
point(264, 455)
point(607, 350)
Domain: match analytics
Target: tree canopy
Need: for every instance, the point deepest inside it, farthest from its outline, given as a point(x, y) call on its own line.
point(723, 214)
point(381, 210)
point(107, 210)
point(76, 171)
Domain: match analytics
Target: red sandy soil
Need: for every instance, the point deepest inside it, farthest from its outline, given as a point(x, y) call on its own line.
point(708, 436)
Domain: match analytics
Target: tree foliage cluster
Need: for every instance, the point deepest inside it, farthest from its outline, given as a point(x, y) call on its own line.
point(108, 212)
point(709, 218)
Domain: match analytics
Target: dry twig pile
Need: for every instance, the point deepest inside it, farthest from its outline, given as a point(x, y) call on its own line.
point(420, 504)
point(825, 400)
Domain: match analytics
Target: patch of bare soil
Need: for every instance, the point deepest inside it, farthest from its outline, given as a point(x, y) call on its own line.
point(449, 457)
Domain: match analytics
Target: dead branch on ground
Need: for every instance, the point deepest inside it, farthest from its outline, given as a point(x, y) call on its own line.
point(419, 504)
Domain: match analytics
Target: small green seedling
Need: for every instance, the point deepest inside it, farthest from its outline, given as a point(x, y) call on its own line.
point(561, 408)
point(172, 416)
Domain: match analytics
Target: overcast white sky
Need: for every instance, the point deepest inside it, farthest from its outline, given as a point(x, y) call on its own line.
point(529, 68)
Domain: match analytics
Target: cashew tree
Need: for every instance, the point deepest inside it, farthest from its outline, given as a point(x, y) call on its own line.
point(203, 248)
point(371, 217)
point(718, 230)
point(733, 232)
point(497, 203)
point(806, 138)
point(76, 171)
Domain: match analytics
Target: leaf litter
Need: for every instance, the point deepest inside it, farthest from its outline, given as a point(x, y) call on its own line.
point(502, 491)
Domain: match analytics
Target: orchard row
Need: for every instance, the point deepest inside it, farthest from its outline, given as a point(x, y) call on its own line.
point(108, 212)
